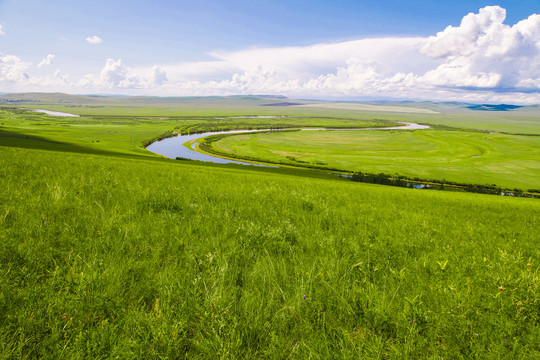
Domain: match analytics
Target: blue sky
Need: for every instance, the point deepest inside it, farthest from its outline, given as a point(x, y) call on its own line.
point(332, 49)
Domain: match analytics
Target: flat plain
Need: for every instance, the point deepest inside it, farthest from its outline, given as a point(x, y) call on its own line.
point(471, 157)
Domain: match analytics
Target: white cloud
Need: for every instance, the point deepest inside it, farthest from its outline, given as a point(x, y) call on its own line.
point(94, 40)
point(116, 75)
point(391, 54)
point(2, 32)
point(114, 72)
point(475, 31)
point(159, 77)
point(485, 53)
point(482, 59)
point(46, 60)
point(56, 80)
point(13, 69)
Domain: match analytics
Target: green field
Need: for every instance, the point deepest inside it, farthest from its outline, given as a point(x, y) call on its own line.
point(109, 251)
point(125, 134)
point(471, 157)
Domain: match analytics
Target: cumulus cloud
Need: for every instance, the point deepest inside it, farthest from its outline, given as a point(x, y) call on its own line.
point(114, 72)
point(116, 75)
point(485, 53)
point(112, 75)
point(481, 59)
point(46, 60)
point(13, 69)
point(159, 77)
point(94, 40)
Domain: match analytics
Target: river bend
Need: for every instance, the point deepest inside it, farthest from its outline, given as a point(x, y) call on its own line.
point(174, 147)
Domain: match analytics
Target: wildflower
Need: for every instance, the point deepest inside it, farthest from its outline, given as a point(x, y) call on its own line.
point(501, 288)
point(304, 297)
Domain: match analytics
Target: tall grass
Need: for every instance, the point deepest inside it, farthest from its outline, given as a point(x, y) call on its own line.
point(107, 257)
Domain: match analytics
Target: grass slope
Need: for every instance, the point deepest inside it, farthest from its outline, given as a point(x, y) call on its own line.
point(109, 251)
point(108, 257)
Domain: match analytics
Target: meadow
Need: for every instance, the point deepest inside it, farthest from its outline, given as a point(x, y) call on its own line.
point(511, 161)
point(109, 251)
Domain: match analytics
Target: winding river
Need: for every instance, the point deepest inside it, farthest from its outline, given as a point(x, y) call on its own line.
point(176, 146)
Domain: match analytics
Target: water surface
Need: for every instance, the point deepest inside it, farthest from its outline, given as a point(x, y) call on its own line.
point(55, 113)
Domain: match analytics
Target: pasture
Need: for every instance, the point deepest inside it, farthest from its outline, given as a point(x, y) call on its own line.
point(470, 157)
point(109, 251)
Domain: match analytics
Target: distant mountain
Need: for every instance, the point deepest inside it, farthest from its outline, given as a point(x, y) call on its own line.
point(490, 107)
point(48, 98)
point(287, 103)
point(104, 100)
point(238, 100)
point(277, 97)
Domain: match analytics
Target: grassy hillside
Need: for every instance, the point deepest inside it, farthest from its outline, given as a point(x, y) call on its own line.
point(108, 257)
point(108, 251)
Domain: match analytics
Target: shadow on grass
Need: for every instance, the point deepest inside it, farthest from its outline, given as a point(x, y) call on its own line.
point(10, 138)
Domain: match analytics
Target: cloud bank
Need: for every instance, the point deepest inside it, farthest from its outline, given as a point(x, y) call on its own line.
point(481, 60)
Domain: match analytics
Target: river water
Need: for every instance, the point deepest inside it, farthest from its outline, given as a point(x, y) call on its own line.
point(174, 147)
point(55, 113)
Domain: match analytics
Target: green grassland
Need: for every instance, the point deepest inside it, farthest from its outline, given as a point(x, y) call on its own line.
point(470, 157)
point(456, 115)
point(125, 134)
point(111, 257)
point(109, 251)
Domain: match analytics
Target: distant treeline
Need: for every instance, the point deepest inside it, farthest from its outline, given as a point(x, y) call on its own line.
point(166, 135)
point(403, 181)
point(220, 127)
point(213, 127)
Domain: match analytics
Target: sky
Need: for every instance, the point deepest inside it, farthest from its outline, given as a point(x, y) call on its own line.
point(473, 51)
